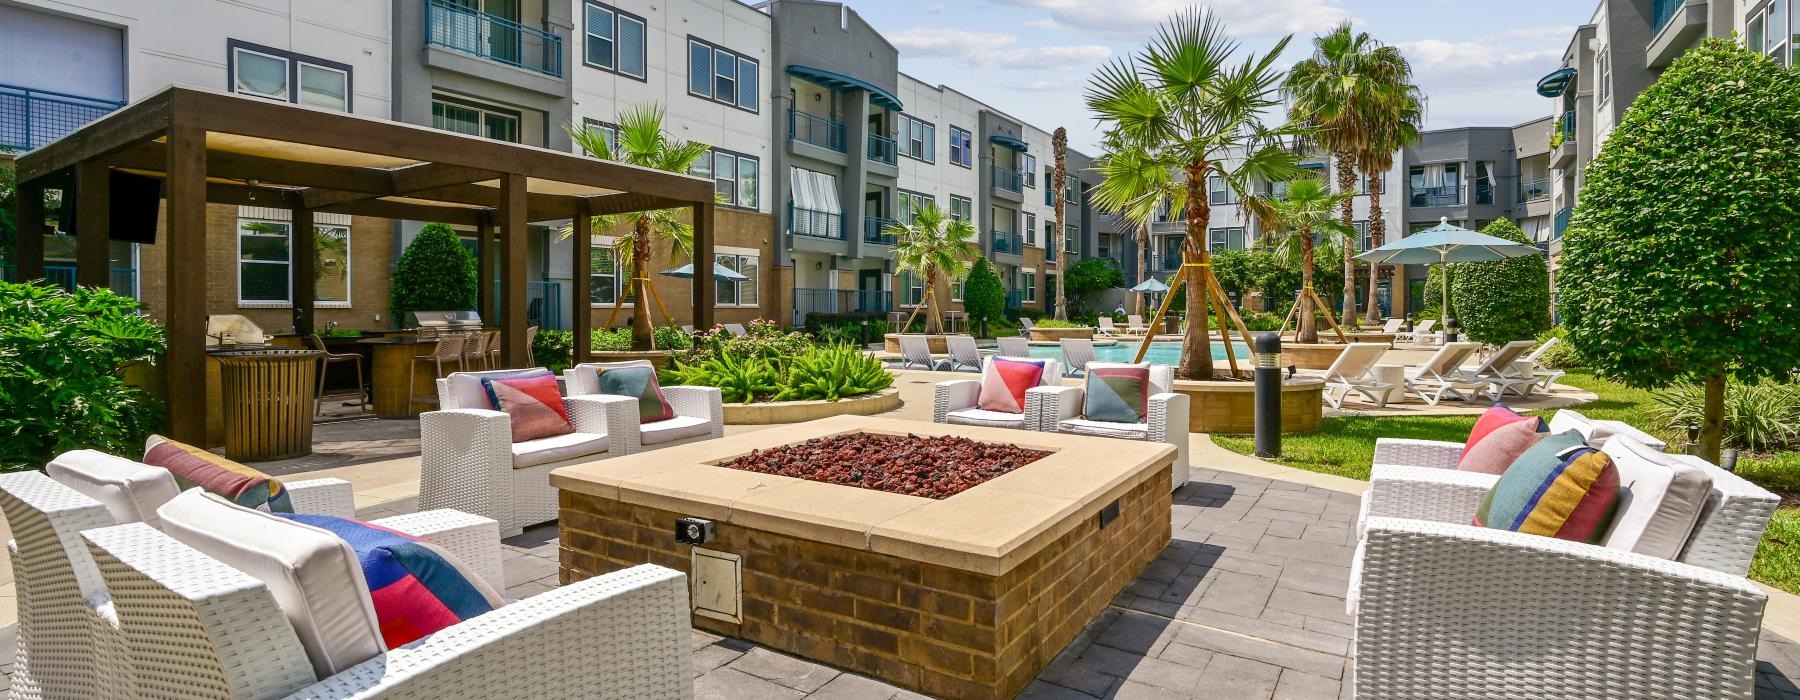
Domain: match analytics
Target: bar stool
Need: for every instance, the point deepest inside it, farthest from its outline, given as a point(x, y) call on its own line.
point(476, 352)
point(530, 355)
point(362, 388)
point(493, 349)
point(449, 348)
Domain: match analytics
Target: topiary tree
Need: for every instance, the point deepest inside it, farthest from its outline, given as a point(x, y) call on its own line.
point(1504, 300)
point(1434, 291)
point(1085, 280)
point(435, 273)
point(984, 295)
point(1682, 262)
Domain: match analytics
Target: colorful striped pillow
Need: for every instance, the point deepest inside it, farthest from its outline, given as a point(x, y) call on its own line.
point(534, 403)
point(1116, 393)
point(416, 586)
point(638, 382)
point(1004, 381)
point(193, 466)
point(1559, 488)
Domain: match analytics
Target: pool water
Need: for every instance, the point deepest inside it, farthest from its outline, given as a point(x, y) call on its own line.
point(1161, 352)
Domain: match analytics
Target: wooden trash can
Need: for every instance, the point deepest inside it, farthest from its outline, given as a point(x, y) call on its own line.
point(268, 397)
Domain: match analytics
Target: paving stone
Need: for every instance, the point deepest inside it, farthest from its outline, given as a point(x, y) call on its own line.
point(1167, 675)
point(1161, 570)
point(1284, 515)
point(1327, 534)
point(1295, 685)
point(1273, 630)
point(713, 656)
point(1313, 577)
point(1185, 589)
point(1283, 655)
point(1138, 633)
point(702, 639)
point(1186, 655)
point(730, 684)
point(526, 569)
point(528, 589)
point(1079, 677)
point(804, 676)
point(1332, 627)
point(1229, 676)
point(1242, 530)
point(1144, 691)
point(1237, 593)
point(1312, 604)
point(849, 686)
point(1152, 606)
point(1305, 551)
point(1312, 504)
point(1040, 690)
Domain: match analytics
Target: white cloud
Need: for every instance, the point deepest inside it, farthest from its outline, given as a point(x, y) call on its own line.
point(990, 50)
point(1043, 24)
point(924, 41)
point(935, 10)
point(1242, 18)
point(1487, 80)
point(1041, 57)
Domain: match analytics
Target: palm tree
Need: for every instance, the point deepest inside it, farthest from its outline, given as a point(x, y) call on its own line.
point(1189, 107)
point(1307, 211)
point(1136, 187)
point(641, 142)
point(1393, 121)
point(1059, 147)
point(933, 246)
point(1332, 91)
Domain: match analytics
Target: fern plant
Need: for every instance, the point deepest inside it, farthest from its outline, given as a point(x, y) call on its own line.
point(832, 372)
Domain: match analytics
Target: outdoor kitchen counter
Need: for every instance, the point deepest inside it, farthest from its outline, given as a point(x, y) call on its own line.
point(392, 380)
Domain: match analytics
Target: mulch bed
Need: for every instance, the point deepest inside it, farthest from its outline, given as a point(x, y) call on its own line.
point(933, 467)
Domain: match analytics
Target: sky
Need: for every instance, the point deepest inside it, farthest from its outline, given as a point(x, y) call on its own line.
point(1476, 60)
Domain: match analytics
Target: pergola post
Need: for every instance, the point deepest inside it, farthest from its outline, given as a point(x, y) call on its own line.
point(484, 269)
point(29, 249)
point(184, 308)
point(513, 348)
point(306, 274)
point(705, 291)
point(582, 290)
point(93, 198)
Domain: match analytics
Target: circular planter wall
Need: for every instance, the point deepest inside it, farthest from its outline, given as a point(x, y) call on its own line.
point(1230, 407)
point(892, 341)
point(659, 357)
point(1310, 355)
point(801, 411)
point(1055, 334)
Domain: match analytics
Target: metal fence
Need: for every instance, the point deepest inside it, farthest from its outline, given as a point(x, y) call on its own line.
point(1008, 243)
point(122, 280)
point(1006, 179)
point(31, 118)
point(839, 301)
point(492, 37)
point(1533, 190)
point(875, 230)
point(1447, 195)
point(815, 223)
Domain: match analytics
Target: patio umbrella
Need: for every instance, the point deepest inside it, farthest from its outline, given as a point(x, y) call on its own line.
point(719, 271)
point(1443, 244)
point(1150, 286)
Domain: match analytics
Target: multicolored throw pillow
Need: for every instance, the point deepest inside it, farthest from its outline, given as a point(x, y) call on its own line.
point(1004, 381)
point(534, 403)
point(193, 466)
point(1559, 488)
point(639, 382)
point(1116, 393)
point(417, 587)
point(1500, 435)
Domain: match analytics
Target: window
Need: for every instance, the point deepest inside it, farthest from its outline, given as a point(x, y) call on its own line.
point(910, 203)
point(331, 264)
point(1049, 231)
point(1484, 183)
point(1029, 171)
point(1028, 283)
point(1603, 66)
point(734, 177)
point(615, 41)
point(918, 139)
point(604, 286)
point(721, 75)
point(737, 292)
point(1031, 229)
point(961, 208)
point(1363, 238)
point(1775, 35)
point(961, 151)
point(265, 259)
point(1071, 239)
point(956, 287)
point(1218, 192)
point(1226, 238)
point(1754, 38)
point(1071, 193)
point(473, 118)
point(1049, 194)
point(912, 288)
point(287, 76)
point(608, 131)
point(1362, 183)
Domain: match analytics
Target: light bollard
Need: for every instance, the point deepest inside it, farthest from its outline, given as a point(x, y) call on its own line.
point(1268, 395)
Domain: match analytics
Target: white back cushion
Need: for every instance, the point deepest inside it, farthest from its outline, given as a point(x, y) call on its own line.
point(313, 574)
point(1566, 420)
point(131, 491)
point(1662, 499)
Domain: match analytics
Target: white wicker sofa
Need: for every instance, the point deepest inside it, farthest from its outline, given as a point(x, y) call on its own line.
point(1059, 410)
point(957, 401)
point(699, 410)
point(469, 462)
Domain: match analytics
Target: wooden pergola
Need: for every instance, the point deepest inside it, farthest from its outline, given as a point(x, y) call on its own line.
point(214, 147)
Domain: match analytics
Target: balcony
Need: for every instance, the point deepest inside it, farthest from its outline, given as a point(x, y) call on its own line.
point(1562, 141)
point(31, 118)
point(883, 149)
point(1444, 196)
point(875, 230)
point(816, 130)
point(815, 223)
point(1007, 180)
point(492, 37)
point(1674, 26)
point(1169, 262)
point(1534, 190)
point(1562, 222)
point(1015, 298)
point(839, 301)
point(1008, 243)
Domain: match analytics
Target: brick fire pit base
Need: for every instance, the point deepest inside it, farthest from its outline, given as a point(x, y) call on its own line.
point(967, 597)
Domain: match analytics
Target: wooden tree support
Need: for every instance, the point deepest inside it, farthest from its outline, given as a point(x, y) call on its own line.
point(1223, 311)
point(929, 301)
point(1293, 316)
point(646, 289)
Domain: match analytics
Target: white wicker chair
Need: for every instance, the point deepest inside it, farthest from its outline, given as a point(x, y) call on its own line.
point(468, 461)
point(196, 628)
point(955, 401)
point(1059, 409)
point(699, 410)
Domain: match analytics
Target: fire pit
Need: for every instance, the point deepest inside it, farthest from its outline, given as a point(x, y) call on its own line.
point(1013, 543)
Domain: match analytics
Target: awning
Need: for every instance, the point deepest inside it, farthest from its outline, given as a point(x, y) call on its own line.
point(1010, 142)
point(816, 191)
point(1553, 84)
point(844, 83)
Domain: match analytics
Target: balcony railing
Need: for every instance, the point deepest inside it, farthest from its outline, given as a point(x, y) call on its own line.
point(121, 280)
point(492, 37)
point(1661, 12)
point(1006, 179)
point(1568, 126)
point(815, 223)
point(875, 230)
point(839, 301)
point(1015, 298)
point(1562, 222)
point(1447, 195)
point(1049, 252)
point(882, 149)
point(1008, 243)
point(816, 130)
point(31, 118)
point(1169, 262)
point(1534, 190)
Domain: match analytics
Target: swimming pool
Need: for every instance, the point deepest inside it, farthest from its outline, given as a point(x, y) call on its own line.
point(1161, 352)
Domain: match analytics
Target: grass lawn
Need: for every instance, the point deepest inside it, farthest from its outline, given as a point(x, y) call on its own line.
point(1346, 446)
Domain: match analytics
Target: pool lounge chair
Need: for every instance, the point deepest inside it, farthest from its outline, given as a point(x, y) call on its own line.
point(1500, 374)
point(958, 401)
point(1077, 353)
point(1025, 325)
point(1420, 333)
point(1134, 325)
point(1393, 325)
point(1353, 370)
point(915, 351)
point(1533, 364)
point(963, 353)
point(736, 329)
point(1106, 327)
point(1014, 347)
point(1440, 376)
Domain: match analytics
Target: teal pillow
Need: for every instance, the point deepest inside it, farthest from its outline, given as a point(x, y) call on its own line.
point(638, 382)
point(1117, 393)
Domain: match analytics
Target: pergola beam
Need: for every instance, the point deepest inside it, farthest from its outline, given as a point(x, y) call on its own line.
point(134, 124)
point(401, 181)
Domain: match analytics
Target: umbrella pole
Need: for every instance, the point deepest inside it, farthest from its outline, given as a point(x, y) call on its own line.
point(1444, 261)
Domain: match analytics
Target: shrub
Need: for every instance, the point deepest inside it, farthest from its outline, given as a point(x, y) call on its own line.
point(1086, 280)
point(740, 378)
point(1760, 416)
point(984, 295)
point(60, 389)
point(786, 368)
point(1505, 300)
point(435, 273)
point(553, 350)
point(845, 328)
point(1682, 259)
point(831, 372)
point(1053, 323)
point(1563, 355)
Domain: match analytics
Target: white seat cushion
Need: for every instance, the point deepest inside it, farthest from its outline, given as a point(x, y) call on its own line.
point(984, 417)
point(556, 448)
point(672, 429)
point(1661, 499)
point(131, 491)
point(314, 575)
point(1083, 426)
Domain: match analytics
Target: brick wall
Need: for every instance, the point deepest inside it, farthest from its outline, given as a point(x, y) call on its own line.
point(737, 229)
point(939, 630)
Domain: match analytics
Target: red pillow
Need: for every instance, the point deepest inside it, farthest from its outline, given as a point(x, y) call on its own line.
point(1494, 419)
point(533, 402)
